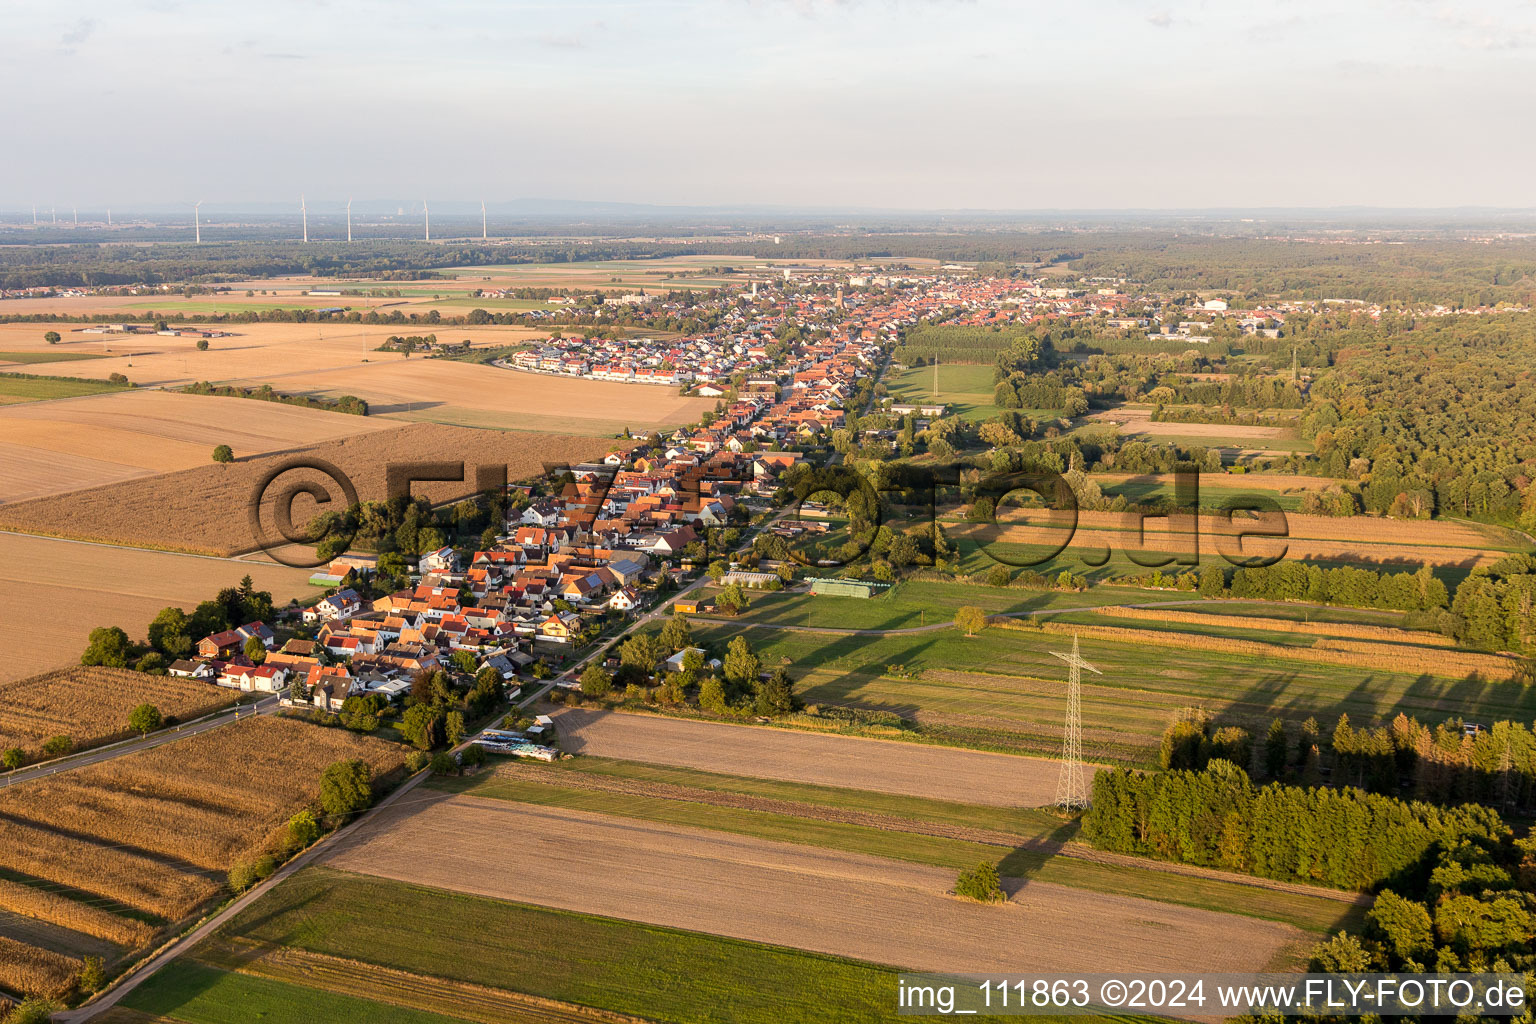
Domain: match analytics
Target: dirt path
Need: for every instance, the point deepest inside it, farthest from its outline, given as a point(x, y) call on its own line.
point(881, 911)
point(911, 769)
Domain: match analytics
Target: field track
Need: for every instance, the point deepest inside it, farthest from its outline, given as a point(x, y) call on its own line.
point(845, 904)
point(886, 766)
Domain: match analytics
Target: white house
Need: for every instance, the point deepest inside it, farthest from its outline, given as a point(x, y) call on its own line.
point(624, 599)
point(340, 605)
point(441, 560)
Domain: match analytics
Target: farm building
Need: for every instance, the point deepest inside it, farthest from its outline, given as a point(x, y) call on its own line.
point(843, 587)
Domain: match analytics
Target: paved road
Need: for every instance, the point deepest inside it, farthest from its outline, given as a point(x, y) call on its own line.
point(133, 746)
point(323, 848)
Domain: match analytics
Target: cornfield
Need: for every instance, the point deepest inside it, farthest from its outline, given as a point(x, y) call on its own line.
point(67, 913)
point(1383, 657)
point(157, 829)
point(1382, 634)
point(91, 705)
point(35, 972)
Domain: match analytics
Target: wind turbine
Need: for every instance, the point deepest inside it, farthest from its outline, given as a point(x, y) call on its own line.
point(109, 216)
point(197, 220)
point(349, 219)
point(34, 215)
point(75, 212)
point(483, 235)
point(304, 212)
point(427, 219)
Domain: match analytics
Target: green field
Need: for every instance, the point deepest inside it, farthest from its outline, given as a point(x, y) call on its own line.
point(23, 388)
point(47, 356)
point(199, 994)
point(660, 973)
point(966, 387)
point(1004, 690)
point(1310, 912)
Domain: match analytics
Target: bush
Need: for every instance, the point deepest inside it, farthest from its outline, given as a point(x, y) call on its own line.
point(981, 884)
point(472, 756)
point(145, 719)
point(443, 764)
point(416, 760)
point(34, 1011)
point(223, 453)
point(56, 746)
point(52, 337)
point(202, 344)
point(248, 872)
point(596, 682)
point(346, 787)
point(12, 758)
point(303, 829)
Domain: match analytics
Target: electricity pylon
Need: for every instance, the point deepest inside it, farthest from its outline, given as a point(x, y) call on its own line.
point(1071, 785)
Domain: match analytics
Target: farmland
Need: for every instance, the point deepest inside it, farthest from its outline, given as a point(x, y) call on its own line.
point(319, 936)
point(1002, 690)
point(966, 387)
point(1373, 542)
point(933, 772)
point(17, 388)
point(144, 839)
point(91, 705)
point(1135, 421)
point(204, 510)
point(56, 447)
point(786, 894)
point(107, 586)
point(1027, 843)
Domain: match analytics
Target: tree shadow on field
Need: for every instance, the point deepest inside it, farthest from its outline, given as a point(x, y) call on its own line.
point(406, 407)
point(1022, 865)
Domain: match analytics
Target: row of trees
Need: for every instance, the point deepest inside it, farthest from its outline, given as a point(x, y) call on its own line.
point(1344, 838)
point(173, 633)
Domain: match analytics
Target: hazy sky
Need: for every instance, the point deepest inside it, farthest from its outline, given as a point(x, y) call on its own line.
point(828, 103)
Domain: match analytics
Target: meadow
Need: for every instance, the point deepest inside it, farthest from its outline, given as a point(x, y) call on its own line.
point(965, 387)
point(1003, 690)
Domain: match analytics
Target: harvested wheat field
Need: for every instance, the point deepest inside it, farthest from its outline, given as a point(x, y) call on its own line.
point(206, 510)
point(1369, 540)
point(1385, 657)
point(106, 586)
point(886, 766)
point(1383, 634)
point(63, 445)
point(156, 830)
point(91, 705)
point(846, 904)
point(1136, 420)
point(337, 359)
point(252, 349)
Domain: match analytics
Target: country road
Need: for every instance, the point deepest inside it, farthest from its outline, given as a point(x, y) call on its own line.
point(322, 848)
point(133, 746)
